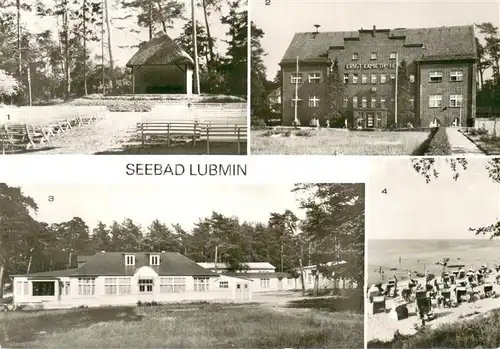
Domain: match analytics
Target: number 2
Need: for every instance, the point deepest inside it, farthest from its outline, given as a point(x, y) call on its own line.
point(267, 2)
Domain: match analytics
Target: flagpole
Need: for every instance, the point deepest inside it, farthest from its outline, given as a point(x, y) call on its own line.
point(296, 92)
point(396, 92)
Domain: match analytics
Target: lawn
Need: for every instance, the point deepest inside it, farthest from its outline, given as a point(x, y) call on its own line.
point(337, 142)
point(487, 143)
point(182, 326)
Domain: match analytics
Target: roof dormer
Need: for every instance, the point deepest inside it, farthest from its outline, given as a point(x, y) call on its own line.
point(129, 260)
point(154, 259)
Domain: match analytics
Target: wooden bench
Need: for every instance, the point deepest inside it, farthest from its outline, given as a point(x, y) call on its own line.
point(23, 135)
point(222, 132)
point(150, 129)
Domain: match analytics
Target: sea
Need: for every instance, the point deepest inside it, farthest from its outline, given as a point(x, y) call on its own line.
point(397, 257)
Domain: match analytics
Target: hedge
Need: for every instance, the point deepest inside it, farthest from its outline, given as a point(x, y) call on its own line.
point(436, 144)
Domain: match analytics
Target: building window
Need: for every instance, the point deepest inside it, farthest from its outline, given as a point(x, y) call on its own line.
point(313, 102)
point(200, 284)
point(374, 78)
point(373, 103)
point(363, 102)
point(392, 76)
point(382, 102)
point(264, 283)
point(145, 285)
point(346, 102)
point(435, 101)
point(392, 55)
point(412, 102)
point(110, 285)
point(67, 288)
point(289, 281)
point(314, 78)
point(364, 78)
point(346, 78)
point(455, 100)
point(355, 56)
point(296, 78)
point(22, 288)
point(125, 285)
point(383, 78)
point(172, 284)
point(435, 76)
point(86, 286)
point(129, 260)
point(309, 278)
point(154, 259)
point(44, 288)
point(296, 101)
point(412, 78)
point(354, 102)
point(355, 78)
point(456, 75)
point(223, 284)
point(373, 56)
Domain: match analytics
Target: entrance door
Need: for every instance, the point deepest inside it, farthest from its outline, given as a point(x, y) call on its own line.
point(238, 291)
point(370, 120)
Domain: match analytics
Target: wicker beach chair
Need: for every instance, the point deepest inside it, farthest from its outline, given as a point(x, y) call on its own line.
point(446, 298)
point(424, 306)
point(378, 304)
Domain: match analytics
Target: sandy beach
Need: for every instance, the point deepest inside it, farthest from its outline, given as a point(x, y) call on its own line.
point(382, 327)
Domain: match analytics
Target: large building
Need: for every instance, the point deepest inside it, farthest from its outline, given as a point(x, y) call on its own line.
point(441, 70)
point(116, 278)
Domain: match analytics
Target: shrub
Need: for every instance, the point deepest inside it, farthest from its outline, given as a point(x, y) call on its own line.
point(258, 123)
point(482, 131)
point(439, 144)
point(473, 132)
point(302, 133)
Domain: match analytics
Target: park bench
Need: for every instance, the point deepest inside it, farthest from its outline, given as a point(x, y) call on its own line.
point(223, 132)
point(156, 131)
point(23, 135)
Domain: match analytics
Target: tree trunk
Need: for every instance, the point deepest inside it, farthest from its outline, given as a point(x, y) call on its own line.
point(85, 91)
point(163, 22)
point(209, 36)
point(103, 80)
point(281, 257)
point(1, 280)
point(150, 21)
point(67, 76)
point(302, 277)
point(316, 282)
point(19, 55)
point(110, 49)
point(195, 50)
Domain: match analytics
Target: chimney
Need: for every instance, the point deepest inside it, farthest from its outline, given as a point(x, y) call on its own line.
point(373, 32)
point(317, 26)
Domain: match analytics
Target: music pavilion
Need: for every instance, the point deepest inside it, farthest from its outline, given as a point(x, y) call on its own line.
point(441, 65)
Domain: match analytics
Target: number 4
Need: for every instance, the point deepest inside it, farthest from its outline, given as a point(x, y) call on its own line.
point(384, 191)
point(267, 2)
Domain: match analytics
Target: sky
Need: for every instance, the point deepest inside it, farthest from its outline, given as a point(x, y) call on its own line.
point(283, 18)
point(183, 204)
point(442, 209)
point(124, 38)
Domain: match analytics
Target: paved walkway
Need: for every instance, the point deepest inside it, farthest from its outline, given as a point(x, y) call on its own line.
point(461, 145)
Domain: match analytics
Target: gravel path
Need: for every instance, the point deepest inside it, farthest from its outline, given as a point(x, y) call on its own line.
point(460, 144)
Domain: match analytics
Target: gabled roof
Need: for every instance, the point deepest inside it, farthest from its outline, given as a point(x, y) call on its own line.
point(453, 41)
point(259, 275)
point(113, 264)
point(250, 265)
point(50, 274)
point(161, 50)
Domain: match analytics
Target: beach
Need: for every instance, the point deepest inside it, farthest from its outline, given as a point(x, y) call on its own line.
point(386, 253)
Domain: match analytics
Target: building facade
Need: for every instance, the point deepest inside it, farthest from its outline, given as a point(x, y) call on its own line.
point(115, 278)
point(440, 79)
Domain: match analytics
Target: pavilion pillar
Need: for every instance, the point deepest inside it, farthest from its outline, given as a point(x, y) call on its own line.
point(133, 79)
point(189, 80)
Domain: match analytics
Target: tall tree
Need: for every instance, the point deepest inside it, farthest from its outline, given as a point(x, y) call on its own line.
point(492, 46)
point(406, 113)
point(334, 224)
point(334, 95)
point(210, 6)
point(483, 62)
point(259, 101)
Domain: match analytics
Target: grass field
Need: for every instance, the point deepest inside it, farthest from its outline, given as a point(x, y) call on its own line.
point(183, 326)
point(338, 142)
